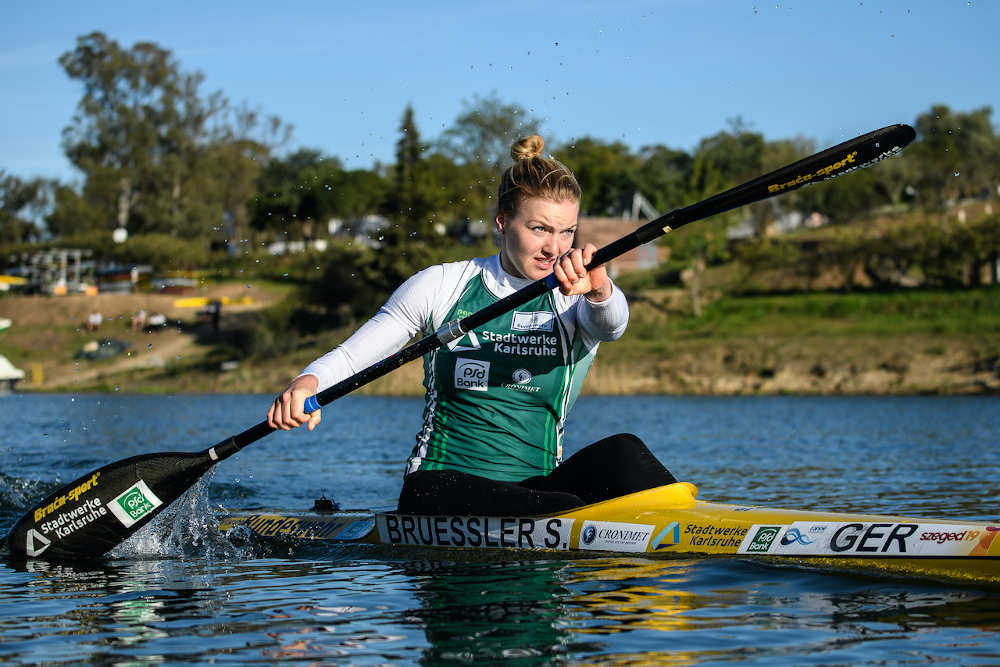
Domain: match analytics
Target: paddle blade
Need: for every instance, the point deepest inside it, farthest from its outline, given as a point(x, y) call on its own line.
point(93, 514)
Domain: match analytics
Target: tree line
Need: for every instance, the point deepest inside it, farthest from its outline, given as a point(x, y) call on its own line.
point(163, 159)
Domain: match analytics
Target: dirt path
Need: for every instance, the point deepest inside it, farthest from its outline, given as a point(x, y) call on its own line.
point(48, 331)
point(168, 345)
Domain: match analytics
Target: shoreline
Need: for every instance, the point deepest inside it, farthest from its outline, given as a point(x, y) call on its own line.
point(662, 353)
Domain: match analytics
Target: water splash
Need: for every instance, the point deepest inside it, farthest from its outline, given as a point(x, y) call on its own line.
point(17, 494)
point(187, 528)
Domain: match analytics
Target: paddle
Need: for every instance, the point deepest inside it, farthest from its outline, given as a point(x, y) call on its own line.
point(91, 515)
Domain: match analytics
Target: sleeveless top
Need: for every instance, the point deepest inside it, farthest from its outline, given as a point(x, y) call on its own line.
point(496, 399)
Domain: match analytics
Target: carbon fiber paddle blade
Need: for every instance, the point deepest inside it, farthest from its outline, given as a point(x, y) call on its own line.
point(95, 513)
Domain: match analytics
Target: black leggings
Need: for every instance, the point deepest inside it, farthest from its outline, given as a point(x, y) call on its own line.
point(609, 468)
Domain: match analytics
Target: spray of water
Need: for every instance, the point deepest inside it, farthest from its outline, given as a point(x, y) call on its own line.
point(187, 529)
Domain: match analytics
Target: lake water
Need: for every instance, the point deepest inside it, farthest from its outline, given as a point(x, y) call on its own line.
point(182, 593)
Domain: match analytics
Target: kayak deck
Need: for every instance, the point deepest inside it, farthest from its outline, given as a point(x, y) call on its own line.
point(670, 520)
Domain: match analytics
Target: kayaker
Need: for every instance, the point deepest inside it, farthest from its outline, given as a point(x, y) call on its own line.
point(497, 398)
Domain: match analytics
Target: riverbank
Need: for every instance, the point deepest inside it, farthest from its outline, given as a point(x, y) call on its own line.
point(816, 343)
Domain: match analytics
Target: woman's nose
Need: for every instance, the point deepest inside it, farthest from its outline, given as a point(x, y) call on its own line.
point(551, 245)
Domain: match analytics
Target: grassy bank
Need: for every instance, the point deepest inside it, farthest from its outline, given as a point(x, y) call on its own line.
point(825, 343)
point(902, 342)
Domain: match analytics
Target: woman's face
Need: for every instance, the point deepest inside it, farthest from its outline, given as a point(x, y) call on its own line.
point(539, 233)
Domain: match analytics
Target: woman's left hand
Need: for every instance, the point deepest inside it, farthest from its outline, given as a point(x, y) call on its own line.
point(574, 278)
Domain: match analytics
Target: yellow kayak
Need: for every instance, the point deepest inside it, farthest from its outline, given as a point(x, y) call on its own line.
point(671, 520)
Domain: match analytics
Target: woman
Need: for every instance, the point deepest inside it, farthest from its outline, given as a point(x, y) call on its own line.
point(497, 398)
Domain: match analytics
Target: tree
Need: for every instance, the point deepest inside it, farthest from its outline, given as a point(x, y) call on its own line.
point(607, 172)
point(777, 154)
point(721, 161)
point(957, 154)
point(18, 200)
point(483, 132)
point(662, 176)
point(157, 155)
point(409, 203)
point(74, 213)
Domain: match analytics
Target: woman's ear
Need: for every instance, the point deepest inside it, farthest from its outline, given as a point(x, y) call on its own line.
point(499, 222)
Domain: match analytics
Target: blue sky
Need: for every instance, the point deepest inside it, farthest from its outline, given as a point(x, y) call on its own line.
point(667, 72)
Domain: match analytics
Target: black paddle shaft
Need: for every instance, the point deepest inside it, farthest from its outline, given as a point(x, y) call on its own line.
point(98, 511)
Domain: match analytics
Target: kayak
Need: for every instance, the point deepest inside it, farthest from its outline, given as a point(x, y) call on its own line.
point(671, 520)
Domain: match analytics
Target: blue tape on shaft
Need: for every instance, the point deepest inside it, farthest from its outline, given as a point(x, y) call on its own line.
point(551, 281)
point(311, 405)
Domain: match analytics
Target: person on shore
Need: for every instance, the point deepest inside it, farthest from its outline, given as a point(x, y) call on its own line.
point(497, 399)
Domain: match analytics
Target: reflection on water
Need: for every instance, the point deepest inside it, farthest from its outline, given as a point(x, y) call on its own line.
point(385, 607)
point(211, 599)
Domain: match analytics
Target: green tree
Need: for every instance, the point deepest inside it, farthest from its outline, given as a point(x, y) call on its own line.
point(157, 155)
point(476, 147)
point(20, 201)
point(74, 213)
point(286, 192)
point(483, 132)
point(721, 161)
point(957, 154)
point(409, 204)
point(777, 154)
point(662, 175)
point(607, 172)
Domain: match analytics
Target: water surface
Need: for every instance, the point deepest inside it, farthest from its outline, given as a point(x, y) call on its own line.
point(184, 593)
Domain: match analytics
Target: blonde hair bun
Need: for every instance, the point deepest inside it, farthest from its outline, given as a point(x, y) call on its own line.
point(527, 148)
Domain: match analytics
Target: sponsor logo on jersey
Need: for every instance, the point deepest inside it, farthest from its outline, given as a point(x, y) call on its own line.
point(472, 374)
point(539, 320)
point(522, 376)
point(615, 536)
point(467, 343)
point(134, 503)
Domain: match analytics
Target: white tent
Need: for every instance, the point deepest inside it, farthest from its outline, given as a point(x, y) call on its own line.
point(9, 375)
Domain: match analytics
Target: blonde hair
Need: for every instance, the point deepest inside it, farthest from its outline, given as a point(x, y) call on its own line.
point(532, 175)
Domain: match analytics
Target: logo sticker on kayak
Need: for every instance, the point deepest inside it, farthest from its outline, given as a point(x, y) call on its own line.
point(873, 538)
point(760, 540)
point(134, 503)
point(668, 537)
point(615, 536)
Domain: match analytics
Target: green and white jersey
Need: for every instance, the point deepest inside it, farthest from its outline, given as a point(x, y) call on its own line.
point(497, 398)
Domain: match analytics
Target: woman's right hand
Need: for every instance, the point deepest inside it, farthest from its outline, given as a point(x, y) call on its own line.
point(287, 409)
